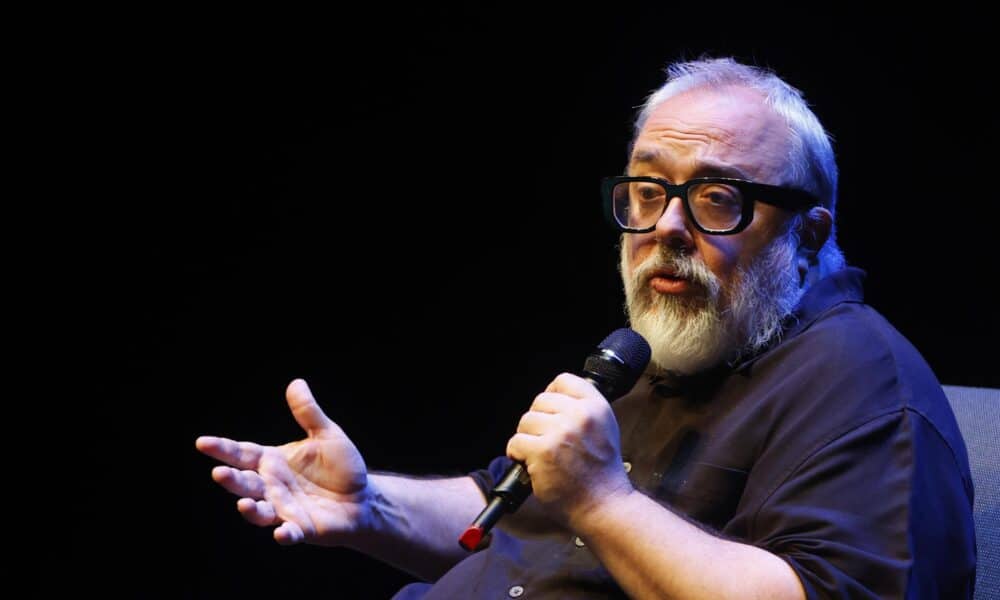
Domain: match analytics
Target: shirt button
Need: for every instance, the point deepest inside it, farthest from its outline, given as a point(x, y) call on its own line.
point(579, 543)
point(515, 591)
point(628, 466)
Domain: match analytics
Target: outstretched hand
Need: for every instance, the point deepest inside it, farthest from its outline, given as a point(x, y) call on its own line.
point(315, 490)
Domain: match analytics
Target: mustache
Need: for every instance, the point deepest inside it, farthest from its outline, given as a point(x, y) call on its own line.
point(676, 264)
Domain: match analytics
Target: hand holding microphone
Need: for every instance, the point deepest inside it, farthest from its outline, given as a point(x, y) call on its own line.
point(569, 437)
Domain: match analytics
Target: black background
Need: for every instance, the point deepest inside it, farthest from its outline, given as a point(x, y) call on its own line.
point(402, 208)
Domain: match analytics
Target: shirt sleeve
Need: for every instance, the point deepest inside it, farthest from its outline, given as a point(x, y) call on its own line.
point(843, 519)
point(487, 478)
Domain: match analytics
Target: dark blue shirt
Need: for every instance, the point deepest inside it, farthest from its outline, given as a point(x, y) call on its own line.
point(835, 449)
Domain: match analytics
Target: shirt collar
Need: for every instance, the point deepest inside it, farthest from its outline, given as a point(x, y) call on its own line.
point(845, 285)
point(838, 287)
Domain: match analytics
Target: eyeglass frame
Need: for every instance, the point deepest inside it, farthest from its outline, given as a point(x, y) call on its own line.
point(788, 198)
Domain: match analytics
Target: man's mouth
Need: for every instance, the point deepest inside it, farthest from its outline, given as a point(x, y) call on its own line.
point(667, 281)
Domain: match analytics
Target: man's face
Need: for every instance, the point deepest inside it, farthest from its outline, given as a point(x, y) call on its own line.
point(684, 283)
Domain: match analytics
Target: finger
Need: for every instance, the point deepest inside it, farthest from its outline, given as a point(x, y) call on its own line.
point(537, 423)
point(553, 403)
point(258, 512)
point(571, 385)
point(242, 483)
point(521, 446)
point(306, 411)
point(289, 533)
point(242, 455)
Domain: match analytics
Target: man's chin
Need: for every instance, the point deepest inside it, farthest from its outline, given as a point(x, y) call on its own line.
point(683, 305)
point(684, 344)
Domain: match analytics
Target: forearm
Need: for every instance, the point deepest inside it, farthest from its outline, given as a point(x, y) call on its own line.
point(414, 524)
point(653, 553)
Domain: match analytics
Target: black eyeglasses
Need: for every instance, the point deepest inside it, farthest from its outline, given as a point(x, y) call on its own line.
point(715, 205)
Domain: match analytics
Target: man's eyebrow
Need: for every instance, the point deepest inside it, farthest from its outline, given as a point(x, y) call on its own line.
point(704, 168)
point(644, 156)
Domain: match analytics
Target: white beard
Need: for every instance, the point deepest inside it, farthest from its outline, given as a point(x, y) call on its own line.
point(689, 334)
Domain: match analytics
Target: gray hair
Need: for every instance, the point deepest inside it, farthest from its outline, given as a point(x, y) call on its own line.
point(811, 163)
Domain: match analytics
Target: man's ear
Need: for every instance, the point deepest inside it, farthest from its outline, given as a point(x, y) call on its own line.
point(815, 229)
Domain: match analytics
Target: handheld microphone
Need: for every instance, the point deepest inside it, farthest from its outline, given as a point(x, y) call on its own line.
point(613, 368)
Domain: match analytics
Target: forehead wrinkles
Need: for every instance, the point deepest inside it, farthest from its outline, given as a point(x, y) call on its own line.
point(672, 129)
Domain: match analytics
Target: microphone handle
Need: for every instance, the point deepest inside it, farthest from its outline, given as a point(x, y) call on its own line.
point(506, 496)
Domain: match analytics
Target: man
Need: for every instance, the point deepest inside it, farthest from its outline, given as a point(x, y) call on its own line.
point(786, 443)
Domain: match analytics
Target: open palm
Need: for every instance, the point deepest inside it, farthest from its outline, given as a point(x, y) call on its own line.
point(314, 490)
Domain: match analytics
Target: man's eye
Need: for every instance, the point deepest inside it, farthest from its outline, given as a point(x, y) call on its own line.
point(649, 193)
point(718, 196)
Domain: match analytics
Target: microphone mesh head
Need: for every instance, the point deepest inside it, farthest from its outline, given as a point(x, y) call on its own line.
point(629, 346)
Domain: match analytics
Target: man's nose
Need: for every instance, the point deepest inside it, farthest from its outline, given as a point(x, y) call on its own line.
point(673, 228)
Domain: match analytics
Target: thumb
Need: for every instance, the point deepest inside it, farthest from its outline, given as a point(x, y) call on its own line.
point(306, 411)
